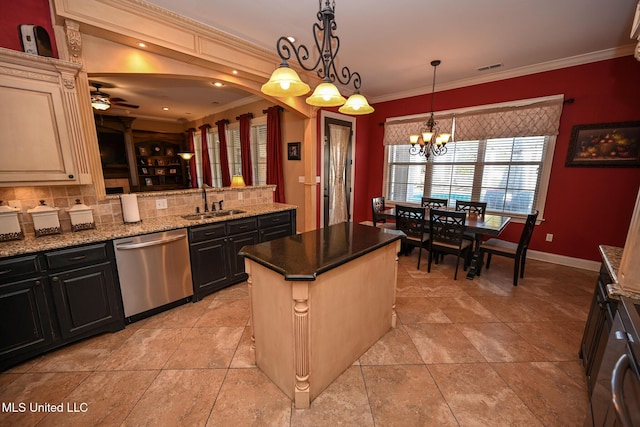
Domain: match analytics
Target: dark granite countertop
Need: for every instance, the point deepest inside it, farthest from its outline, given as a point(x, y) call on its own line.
point(304, 256)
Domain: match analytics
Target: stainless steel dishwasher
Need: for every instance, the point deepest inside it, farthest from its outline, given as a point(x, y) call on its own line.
point(154, 271)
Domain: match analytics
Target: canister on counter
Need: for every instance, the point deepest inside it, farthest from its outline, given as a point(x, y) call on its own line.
point(45, 220)
point(9, 224)
point(81, 217)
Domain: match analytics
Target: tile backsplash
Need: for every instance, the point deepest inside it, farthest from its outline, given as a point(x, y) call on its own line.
point(108, 211)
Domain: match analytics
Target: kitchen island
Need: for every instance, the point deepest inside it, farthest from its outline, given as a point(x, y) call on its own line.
point(318, 301)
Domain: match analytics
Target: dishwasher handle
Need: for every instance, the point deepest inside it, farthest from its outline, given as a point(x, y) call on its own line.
point(617, 395)
point(127, 246)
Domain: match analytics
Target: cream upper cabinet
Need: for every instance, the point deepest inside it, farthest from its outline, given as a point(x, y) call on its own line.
point(41, 134)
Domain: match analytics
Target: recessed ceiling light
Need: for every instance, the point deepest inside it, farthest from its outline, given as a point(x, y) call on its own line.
point(142, 44)
point(218, 84)
point(165, 108)
point(234, 72)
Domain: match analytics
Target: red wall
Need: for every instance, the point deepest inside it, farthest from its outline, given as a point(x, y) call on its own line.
point(14, 13)
point(585, 207)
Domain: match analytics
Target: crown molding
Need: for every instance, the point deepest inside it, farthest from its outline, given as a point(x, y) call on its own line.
point(571, 61)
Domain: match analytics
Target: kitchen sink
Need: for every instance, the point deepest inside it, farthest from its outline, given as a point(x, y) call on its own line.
point(198, 216)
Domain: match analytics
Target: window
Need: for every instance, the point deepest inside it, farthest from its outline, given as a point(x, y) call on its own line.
point(510, 173)
point(504, 172)
point(258, 152)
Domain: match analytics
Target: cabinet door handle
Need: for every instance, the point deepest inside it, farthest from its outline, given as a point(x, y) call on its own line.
point(56, 279)
point(6, 271)
point(211, 233)
point(617, 397)
point(38, 283)
point(77, 258)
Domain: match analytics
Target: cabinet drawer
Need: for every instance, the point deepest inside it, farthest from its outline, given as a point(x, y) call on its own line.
point(18, 267)
point(242, 225)
point(274, 220)
point(207, 232)
point(76, 256)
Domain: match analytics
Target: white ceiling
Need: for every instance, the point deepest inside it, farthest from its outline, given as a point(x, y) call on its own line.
point(392, 43)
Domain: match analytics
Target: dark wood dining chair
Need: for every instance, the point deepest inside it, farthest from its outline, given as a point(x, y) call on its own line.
point(429, 202)
point(474, 208)
point(411, 221)
point(509, 249)
point(377, 206)
point(446, 235)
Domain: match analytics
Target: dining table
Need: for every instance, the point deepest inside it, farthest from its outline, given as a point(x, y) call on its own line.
point(480, 225)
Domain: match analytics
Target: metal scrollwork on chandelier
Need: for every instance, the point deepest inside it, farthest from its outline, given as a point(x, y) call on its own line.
point(285, 81)
point(430, 141)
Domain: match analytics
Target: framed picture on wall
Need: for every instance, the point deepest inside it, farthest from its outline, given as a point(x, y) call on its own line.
point(293, 150)
point(605, 145)
point(148, 181)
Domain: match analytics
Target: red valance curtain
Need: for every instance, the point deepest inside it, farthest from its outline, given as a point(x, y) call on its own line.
point(206, 161)
point(275, 174)
point(192, 161)
point(224, 157)
point(245, 147)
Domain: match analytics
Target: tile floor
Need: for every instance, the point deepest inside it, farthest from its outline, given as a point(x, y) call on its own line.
point(465, 353)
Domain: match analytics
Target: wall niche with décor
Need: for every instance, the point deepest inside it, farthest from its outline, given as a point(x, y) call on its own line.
point(158, 165)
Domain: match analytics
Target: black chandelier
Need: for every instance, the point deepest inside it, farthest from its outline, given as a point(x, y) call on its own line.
point(430, 140)
point(285, 81)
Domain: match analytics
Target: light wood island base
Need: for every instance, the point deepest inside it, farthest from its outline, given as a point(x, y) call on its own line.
point(307, 332)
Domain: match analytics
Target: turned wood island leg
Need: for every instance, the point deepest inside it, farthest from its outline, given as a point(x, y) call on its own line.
point(300, 293)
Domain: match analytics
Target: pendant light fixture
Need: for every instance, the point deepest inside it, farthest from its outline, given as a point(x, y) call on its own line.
point(285, 81)
point(425, 144)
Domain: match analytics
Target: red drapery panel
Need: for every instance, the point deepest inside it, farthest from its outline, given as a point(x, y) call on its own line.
point(206, 161)
point(224, 157)
point(275, 175)
point(192, 161)
point(245, 147)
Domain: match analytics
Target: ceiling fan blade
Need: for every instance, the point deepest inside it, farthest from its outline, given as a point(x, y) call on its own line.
point(123, 104)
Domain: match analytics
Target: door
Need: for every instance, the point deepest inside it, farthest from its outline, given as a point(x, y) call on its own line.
point(337, 169)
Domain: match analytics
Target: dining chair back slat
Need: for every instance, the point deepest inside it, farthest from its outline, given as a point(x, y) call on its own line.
point(446, 235)
point(478, 208)
point(431, 203)
point(377, 206)
point(411, 221)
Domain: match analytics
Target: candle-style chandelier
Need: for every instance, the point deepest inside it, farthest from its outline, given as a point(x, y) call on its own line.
point(285, 81)
point(430, 140)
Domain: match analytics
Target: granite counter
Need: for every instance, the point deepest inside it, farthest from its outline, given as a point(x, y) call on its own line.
point(611, 257)
point(32, 244)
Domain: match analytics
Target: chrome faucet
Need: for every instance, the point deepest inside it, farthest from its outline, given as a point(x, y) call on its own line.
point(204, 196)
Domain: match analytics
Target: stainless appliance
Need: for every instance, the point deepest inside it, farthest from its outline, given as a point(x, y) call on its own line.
point(154, 271)
point(615, 400)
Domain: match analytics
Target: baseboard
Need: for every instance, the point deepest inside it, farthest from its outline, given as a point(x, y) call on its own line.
point(584, 264)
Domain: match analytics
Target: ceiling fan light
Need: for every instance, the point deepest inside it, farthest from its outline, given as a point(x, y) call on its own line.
point(326, 95)
point(100, 103)
point(285, 82)
point(356, 105)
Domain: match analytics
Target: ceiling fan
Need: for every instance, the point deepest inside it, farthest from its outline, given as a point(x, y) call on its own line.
point(102, 101)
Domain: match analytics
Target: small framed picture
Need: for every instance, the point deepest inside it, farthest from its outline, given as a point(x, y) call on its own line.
point(144, 151)
point(173, 171)
point(160, 171)
point(145, 171)
point(170, 151)
point(293, 151)
point(148, 182)
point(160, 162)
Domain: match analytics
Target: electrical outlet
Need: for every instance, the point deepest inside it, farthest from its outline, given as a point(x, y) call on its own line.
point(240, 196)
point(161, 204)
point(549, 237)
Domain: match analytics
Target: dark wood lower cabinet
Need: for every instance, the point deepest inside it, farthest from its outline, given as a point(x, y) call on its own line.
point(215, 263)
point(25, 320)
point(54, 298)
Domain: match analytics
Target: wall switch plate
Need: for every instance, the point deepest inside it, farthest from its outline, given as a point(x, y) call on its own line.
point(549, 237)
point(161, 204)
point(301, 179)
